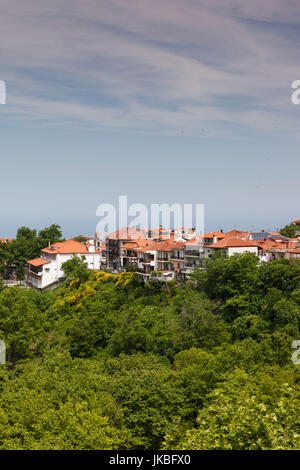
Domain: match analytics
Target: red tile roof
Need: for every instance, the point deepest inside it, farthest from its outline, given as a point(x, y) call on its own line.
point(126, 233)
point(232, 242)
point(237, 234)
point(68, 247)
point(214, 234)
point(38, 262)
point(197, 241)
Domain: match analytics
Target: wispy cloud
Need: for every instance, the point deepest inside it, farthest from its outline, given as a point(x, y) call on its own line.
point(159, 66)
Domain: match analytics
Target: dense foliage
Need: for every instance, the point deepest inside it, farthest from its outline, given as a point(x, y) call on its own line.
point(26, 246)
point(106, 362)
point(289, 230)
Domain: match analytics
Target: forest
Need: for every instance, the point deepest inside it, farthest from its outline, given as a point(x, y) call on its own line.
point(105, 361)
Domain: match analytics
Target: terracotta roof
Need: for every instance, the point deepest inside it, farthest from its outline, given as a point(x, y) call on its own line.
point(297, 222)
point(126, 233)
point(214, 234)
point(6, 240)
point(38, 262)
point(197, 241)
point(266, 244)
point(68, 247)
point(131, 245)
point(237, 234)
point(149, 245)
point(140, 244)
point(233, 243)
point(165, 245)
point(154, 245)
point(296, 251)
point(179, 245)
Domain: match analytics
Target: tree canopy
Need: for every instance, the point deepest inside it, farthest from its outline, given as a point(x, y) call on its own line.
point(105, 361)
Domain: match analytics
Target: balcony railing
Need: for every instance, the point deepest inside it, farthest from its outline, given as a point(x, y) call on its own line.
point(193, 253)
point(129, 255)
point(143, 271)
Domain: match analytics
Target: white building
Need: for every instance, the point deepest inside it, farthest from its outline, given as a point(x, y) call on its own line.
point(47, 270)
point(231, 246)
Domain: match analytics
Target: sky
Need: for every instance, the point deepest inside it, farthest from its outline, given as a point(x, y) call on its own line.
point(165, 101)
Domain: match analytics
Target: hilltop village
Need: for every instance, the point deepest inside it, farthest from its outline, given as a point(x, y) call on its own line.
point(164, 254)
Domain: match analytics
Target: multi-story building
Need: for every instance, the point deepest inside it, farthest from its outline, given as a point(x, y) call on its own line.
point(114, 242)
point(193, 252)
point(47, 270)
point(173, 254)
point(230, 246)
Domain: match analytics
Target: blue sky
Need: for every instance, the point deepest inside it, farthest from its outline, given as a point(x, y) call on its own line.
point(164, 101)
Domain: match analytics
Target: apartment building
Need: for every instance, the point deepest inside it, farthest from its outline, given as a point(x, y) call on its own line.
point(114, 242)
point(47, 270)
point(230, 246)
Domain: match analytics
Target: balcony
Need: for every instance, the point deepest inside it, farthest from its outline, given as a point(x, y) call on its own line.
point(192, 253)
point(191, 265)
point(129, 254)
point(143, 271)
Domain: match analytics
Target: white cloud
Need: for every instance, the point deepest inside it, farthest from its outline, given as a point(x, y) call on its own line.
point(155, 66)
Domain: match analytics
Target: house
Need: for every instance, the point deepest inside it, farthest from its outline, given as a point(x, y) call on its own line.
point(114, 242)
point(102, 248)
point(231, 246)
point(154, 255)
point(213, 237)
point(297, 223)
point(177, 259)
point(193, 251)
point(173, 254)
point(164, 256)
point(47, 270)
point(129, 252)
point(271, 249)
point(147, 259)
point(294, 254)
point(241, 234)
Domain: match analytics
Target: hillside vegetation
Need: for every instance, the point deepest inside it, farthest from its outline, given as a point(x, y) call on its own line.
point(106, 362)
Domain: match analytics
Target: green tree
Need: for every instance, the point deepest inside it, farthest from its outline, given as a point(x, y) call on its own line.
point(21, 324)
point(49, 235)
point(76, 268)
point(289, 230)
point(25, 233)
point(241, 416)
